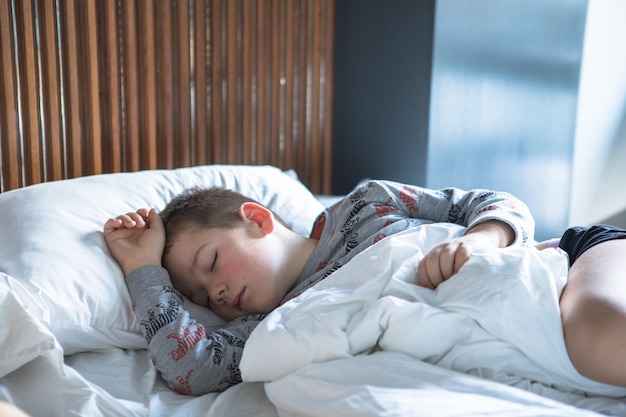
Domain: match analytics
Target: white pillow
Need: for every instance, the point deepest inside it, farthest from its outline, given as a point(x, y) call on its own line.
point(53, 247)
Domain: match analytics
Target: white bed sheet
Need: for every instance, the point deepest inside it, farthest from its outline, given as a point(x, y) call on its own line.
point(118, 383)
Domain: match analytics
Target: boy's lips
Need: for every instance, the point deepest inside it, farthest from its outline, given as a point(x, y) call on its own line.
point(238, 300)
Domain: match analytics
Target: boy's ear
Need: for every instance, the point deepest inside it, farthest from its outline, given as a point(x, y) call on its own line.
point(259, 215)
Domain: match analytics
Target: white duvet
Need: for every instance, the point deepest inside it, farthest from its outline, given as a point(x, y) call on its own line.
point(498, 318)
point(364, 342)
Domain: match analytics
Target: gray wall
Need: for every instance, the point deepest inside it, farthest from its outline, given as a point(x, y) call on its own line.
point(599, 181)
point(383, 59)
point(504, 100)
point(527, 96)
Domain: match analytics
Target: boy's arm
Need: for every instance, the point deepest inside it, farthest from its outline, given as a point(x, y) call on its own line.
point(493, 219)
point(445, 259)
point(500, 234)
point(466, 208)
point(192, 360)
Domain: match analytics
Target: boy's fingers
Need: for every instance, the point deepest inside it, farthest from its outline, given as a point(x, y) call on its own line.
point(112, 224)
point(422, 276)
point(139, 218)
point(132, 219)
point(144, 213)
point(154, 219)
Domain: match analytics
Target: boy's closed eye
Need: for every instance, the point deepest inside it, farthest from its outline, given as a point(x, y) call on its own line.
point(214, 262)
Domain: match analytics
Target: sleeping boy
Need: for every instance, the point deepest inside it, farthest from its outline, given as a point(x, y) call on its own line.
point(231, 254)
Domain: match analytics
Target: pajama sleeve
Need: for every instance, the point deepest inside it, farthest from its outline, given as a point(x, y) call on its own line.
point(453, 205)
point(190, 359)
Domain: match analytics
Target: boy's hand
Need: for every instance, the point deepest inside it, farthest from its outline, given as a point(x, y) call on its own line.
point(445, 259)
point(135, 239)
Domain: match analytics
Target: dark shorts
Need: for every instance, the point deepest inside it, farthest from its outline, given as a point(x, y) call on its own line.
point(576, 240)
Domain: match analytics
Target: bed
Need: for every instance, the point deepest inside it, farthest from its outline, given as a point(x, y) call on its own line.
point(363, 342)
point(109, 106)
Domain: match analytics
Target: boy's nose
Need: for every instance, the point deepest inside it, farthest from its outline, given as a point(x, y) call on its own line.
point(218, 294)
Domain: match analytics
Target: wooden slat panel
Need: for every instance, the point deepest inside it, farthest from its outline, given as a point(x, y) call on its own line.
point(246, 83)
point(200, 120)
point(288, 86)
point(302, 92)
point(112, 149)
point(183, 128)
point(274, 82)
point(261, 63)
point(54, 160)
point(92, 140)
point(165, 85)
point(29, 91)
point(93, 86)
point(231, 80)
point(147, 84)
point(132, 122)
point(216, 80)
point(11, 173)
point(315, 142)
point(326, 78)
point(70, 96)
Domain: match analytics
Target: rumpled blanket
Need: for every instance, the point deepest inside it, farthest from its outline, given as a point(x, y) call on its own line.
point(497, 318)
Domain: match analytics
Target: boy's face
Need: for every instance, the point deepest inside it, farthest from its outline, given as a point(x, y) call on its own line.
point(232, 271)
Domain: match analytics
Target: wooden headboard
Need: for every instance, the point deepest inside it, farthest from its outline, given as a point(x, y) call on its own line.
point(98, 86)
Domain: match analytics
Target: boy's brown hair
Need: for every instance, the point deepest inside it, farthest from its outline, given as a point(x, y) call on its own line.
point(204, 208)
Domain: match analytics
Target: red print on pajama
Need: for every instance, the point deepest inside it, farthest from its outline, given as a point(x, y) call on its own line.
point(488, 208)
point(187, 340)
point(379, 237)
point(181, 385)
point(410, 199)
point(383, 211)
point(321, 265)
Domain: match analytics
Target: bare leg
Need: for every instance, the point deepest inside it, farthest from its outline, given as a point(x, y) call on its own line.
point(593, 312)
